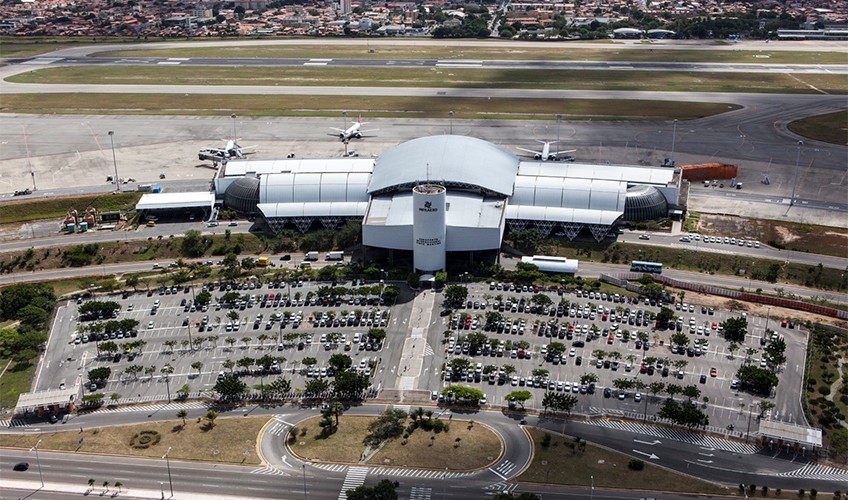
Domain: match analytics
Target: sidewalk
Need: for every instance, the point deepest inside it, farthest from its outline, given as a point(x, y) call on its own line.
point(36, 491)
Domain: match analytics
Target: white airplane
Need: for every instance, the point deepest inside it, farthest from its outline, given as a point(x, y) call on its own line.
point(353, 132)
point(546, 154)
point(228, 152)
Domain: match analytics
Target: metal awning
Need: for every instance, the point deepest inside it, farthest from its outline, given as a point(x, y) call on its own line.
point(801, 434)
point(39, 399)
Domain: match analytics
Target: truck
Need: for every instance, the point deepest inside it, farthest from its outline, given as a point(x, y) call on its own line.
point(144, 188)
point(335, 256)
point(263, 262)
point(311, 256)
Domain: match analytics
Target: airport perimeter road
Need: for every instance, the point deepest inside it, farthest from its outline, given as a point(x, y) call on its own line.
point(530, 65)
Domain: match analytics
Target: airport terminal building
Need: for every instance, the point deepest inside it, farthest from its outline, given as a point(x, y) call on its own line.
point(446, 193)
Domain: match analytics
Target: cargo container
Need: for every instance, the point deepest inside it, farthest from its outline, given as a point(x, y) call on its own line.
point(335, 256)
point(262, 261)
point(83, 227)
point(156, 189)
point(707, 171)
point(70, 228)
point(311, 256)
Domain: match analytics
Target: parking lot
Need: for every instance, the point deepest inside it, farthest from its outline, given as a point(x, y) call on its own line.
point(611, 338)
point(178, 334)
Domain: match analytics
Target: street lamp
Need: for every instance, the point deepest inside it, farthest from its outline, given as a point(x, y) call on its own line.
point(233, 116)
point(673, 140)
point(797, 165)
point(38, 460)
point(170, 481)
point(114, 160)
point(450, 114)
point(748, 431)
point(558, 117)
point(592, 490)
point(344, 120)
point(303, 466)
point(162, 489)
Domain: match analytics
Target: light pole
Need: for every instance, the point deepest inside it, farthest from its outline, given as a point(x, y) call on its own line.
point(170, 481)
point(233, 116)
point(797, 165)
point(558, 117)
point(748, 431)
point(38, 461)
point(162, 489)
point(592, 490)
point(114, 159)
point(303, 466)
point(344, 120)
point(673, 140)
point(450, 114)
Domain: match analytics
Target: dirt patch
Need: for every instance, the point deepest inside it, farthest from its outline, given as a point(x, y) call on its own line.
point(791, 236)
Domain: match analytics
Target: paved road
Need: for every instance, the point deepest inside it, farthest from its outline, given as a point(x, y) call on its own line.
point(537, 65)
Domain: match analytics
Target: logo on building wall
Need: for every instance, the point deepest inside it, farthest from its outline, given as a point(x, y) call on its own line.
point(429, 242)
point(428, 207)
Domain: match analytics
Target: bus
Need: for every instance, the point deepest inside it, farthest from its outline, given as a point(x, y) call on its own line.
point(638, 266)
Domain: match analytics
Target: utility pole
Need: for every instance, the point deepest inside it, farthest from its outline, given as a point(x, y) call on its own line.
point(797, 166)
point(673, 140)
point(168, 463)
point(235, 137)
point(114, 160)
point(450, 114)
point(558, 117)
point(38, 460)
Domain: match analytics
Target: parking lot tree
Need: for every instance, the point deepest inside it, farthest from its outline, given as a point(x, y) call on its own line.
point(459, 364)
point(317, 386)
point(279, 387)
point(519, 397)
point(540, 299)
point(229, 297)
point(735, 329)
point(245, 362)
point(683, 414)
point(464, 394)
point(489, 369)
point(183, 391)
point(588, 378)
point(203, 298)
point(672, 390)
point(340, 362)
point(170, 344)
point(93, 399)
point(655, 388)
point(758, 380)
point(96, 308)
point(230, 388)
point(680, 339)
point(150, 370)
point(775, 352)
point(133, 371)
point(32, 316)
point(733, 347)
point(309, 361)
point(556, 348)
point(622, 384)
point(350, 384)
point(197, 365)
point(262, 337)
point(615, 355)
point(476, 340)
point(185, 344)
point(691, 392)
point(377, 334)
point(664, 317)
point(540, 373)
point(100, 374)
point(599, 354)
point(521, 344)
point(680, 364)
point(508, 369)
point(565, 403)
point(455, 295)
point(749, 354)
point(109, 347)
point(230, 342)
point(245, 341)
point(229, 364)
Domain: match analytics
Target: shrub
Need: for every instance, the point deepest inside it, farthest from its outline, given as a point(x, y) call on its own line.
point(635, 464)
point(813, 492)
point(546, 440)
point(145, 439)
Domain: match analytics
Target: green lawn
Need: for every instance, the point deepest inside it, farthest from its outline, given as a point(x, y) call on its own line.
point(441, 77)
point(13, 382)
point(386, 107)
point(832, 127)
point(23, 210)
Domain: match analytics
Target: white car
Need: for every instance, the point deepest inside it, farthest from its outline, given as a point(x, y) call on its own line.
point(572, 352)
point(150, 325)
point(637, 397)
point(644, 237)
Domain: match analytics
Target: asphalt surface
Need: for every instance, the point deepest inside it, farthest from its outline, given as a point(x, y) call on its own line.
point(443, 63)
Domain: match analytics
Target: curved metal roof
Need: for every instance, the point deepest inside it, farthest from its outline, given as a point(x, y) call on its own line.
point(314, 187)
point(452, 159)
point(569, 193)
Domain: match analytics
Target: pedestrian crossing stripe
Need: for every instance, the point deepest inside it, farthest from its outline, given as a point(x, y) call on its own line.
point(193, 405)
point(330, 467)
point(819, 472)
point(428, 351)
point(268, 471)
point(278, 428)
point(686, 437)
point(354, 478)
point(505, 467)
point(422, 473)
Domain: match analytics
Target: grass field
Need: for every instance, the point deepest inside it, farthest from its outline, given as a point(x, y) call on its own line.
point(13, 382)
point(826, 395)
point(23, 210)
point(442, 77)
point(553, 52)
point(832, 127)
point(386, 107)
point(225, 442)
point(23, 46)
point(478, 446)
point(561, 463)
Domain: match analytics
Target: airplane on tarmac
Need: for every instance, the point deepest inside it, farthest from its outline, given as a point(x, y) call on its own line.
point(546, 154)
point(228, 152)
point(353, 132)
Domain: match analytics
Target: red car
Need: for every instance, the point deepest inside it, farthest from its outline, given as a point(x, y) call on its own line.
point(609, 339)
point(713, 372)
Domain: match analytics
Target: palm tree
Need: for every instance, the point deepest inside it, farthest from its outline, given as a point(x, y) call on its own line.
point(229, 364)
point(185, 343)
point(119, 485)
point(337, 409)
point(170, 344)
point(262, 338)
point(733, 347)
point(90, 483)
point(182, 414)
point(231, 342)
point(245, 341)
point(106, 485)
point(197, 365)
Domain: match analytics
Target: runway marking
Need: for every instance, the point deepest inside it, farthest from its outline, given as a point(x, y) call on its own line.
point(43, 60)
point(169, 63)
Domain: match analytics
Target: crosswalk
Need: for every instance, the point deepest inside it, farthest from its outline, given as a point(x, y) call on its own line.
point(191, 405)
point(268, 471)
point(15, 422)
point(501, 487)
point(504, 469)
point(418, 493)
point(428, 351)
point(422, 473)
point(676, 435)
point(331, 467)
point(355, 478)
point(279, 427)
point(819, 472)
